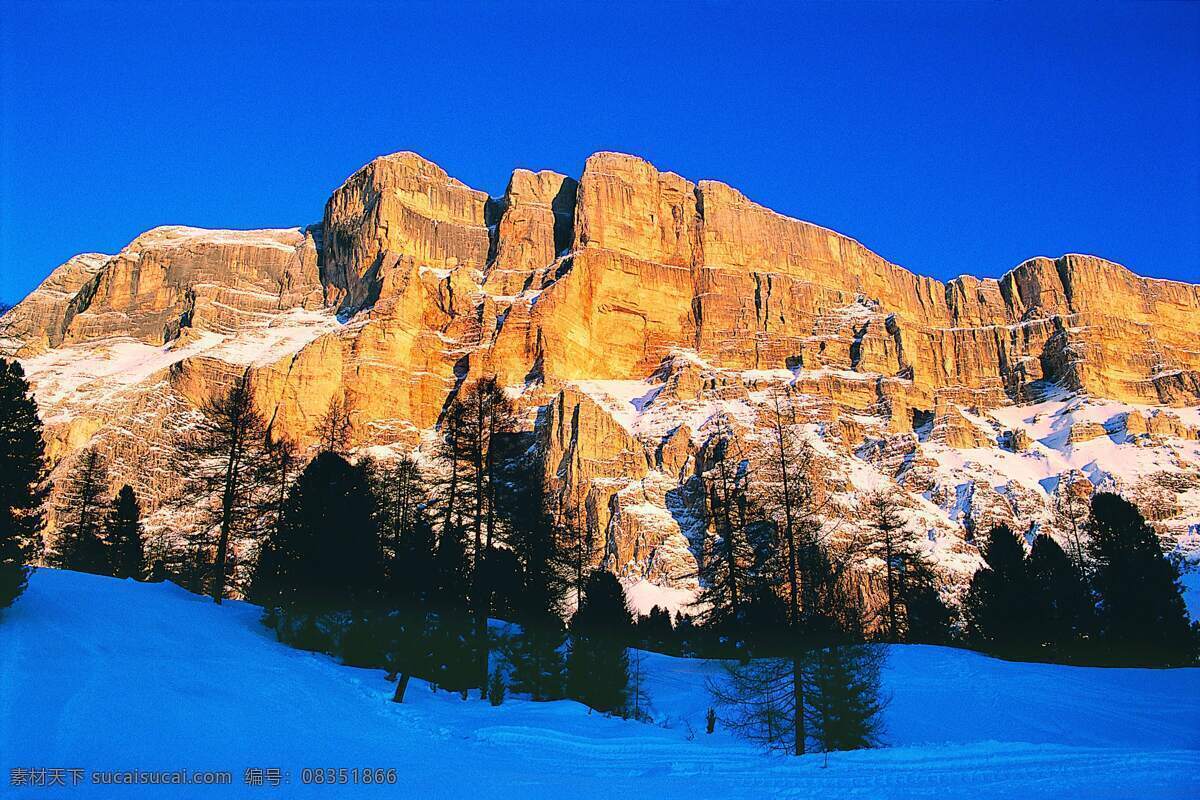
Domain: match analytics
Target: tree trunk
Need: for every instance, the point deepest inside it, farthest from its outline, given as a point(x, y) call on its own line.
point(227, 498)
point(401, 687)
point(798, 699)
point(893, 634)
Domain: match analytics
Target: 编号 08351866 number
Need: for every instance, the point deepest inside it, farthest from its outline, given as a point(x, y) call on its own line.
point(343, 775)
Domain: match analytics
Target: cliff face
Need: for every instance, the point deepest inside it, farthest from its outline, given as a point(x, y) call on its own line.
point(632, 311)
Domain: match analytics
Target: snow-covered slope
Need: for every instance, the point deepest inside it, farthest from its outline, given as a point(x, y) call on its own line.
point(104, 674)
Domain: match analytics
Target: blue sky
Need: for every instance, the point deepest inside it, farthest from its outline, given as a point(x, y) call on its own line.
point(949, 138)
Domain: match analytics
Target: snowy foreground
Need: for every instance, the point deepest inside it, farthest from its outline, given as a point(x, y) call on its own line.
point(105, 674)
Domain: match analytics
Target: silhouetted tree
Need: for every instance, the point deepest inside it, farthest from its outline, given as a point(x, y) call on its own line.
point(1142, 618)
point(536, 656)
point(277, 471)
point(22, 481)
point(334, 428)
point(1071, 509)
point(795, 558)
point(126, 556)
point(999, 601)
point(505, 578)
point(844, 702)
point(800, 678)
point(222, 457)
point(401, 496)
point(655, 632)
point(327, 557)
point(81, 544)
point(1063, 614)
point(598, 663)
point(481, 412)
point(453, 640)
point(888, 539)
point(928, 617)
point(727, 557)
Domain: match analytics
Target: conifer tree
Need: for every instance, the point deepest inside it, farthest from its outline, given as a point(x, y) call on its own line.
point(927, 616)
point(222, 458)
point(334, 428)
point(795, 555)
point(276, 472)
point(479, 415)
point(22, 481)
point(401, 496)
point(820, 681)
point(126, 556)
point(504, 576)
point(452, 639)
point(598, 663)
point(411, 571)
point(727, 556)
point(536, 653)
point(538, 667)
point(81, 543)
point(1063, 608)
point(1142, 618)
point(844, 704)
point(655, 632)
point(800, 677)
point(999, 602)
point(1071, 507)
point(888, 539)
point(328, 558)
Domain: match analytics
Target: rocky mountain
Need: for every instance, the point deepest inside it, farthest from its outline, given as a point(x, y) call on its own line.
point(632, 312)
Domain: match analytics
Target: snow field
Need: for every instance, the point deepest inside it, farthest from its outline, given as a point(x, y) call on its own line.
point(106, 674)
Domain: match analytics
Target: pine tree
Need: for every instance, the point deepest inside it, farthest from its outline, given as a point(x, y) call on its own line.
point(401, 496)
point(1142, 618)
point(727, 556)
point(844, 703)
point(479, 414)
point(537, 543)
point(1071, 509)
point(928, 617)
point(495, 687)
point(655, 632)
point(328, 558)
point(22, 481)
point(580, 548)
point(276, 472)
point(505, 578)
point(536, 653)
point(335, 427)
point(1063, 609)
point(452, 639)
point(127, 559)
point(538, 667)
point(222, 458)
point(81, 544)
point(999, 602)
point(598, 663)
point(798, 685)
point(794, 555)
point(412, 568)
point(888, 539)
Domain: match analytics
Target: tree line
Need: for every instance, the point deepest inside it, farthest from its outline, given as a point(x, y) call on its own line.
point(402, 564)
point(1115, 600)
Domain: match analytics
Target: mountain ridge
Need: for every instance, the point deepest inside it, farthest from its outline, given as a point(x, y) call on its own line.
point(630, 312)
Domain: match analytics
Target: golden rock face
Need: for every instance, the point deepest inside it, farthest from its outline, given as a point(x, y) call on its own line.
point(628, 274)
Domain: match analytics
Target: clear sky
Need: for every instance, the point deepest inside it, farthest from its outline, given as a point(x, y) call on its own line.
point(949, 138)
